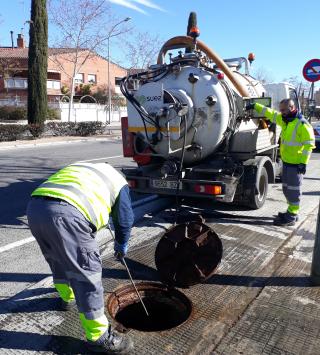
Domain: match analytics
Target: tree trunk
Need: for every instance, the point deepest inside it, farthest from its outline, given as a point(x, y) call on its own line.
point(38, 63)
point(71, 99)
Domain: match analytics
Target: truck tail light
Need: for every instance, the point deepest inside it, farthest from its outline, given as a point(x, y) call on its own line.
point(316, 133)
point(132, 183)
point(127, 138)
point(208, 189)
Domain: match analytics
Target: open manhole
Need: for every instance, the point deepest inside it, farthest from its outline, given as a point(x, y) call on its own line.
point(168, 308)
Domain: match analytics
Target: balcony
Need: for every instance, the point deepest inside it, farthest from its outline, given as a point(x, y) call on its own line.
point(16, 83)
point(22, 84)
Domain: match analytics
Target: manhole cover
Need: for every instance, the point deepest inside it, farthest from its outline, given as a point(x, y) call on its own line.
point(188, 253)
point(167, 308)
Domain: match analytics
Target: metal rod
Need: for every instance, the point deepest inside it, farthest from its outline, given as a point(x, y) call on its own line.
point(128, 271)
point(133, 284)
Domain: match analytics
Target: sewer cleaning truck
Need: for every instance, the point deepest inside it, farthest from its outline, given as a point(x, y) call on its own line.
point(188, 129)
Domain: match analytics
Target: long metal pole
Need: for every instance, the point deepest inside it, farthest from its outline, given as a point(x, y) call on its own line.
point(315, 266)
point(134, 286)
point(109, 86)
point(109, 83)
point(128, 271)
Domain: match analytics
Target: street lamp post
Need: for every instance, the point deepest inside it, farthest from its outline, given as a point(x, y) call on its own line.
point(30, 22)
point(109, 84)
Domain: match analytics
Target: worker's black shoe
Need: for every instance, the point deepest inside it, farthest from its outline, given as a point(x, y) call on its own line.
point(67, 306)
point(284, 214)
point(282, 222)
point(111, 343)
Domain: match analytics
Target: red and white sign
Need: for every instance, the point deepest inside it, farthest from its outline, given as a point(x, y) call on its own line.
point(311, 70)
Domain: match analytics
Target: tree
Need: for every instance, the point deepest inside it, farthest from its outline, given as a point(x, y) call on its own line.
point(300, 85)
point(142, 50)
point(263, 75)
point(84, 28)
point(192, 22)
point(38, 63)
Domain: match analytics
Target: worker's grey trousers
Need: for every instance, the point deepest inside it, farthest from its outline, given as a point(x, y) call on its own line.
point(67, 242)
point(291, 186)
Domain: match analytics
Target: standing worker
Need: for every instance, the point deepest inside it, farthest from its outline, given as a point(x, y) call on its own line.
point(64, 214)
point(297, 142)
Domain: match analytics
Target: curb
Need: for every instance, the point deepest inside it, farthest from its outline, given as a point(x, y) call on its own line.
point(70, 141)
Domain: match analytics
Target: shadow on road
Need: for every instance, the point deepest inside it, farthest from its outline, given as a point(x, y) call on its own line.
point(56, 344)
point(258, 281)
point(15, 196)
point(189, 213)
point(139, 272)
point(311, 193)
point(21, 277)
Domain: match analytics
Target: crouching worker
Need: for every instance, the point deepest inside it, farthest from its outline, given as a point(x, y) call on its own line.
point(297, 143)
point(64, 214)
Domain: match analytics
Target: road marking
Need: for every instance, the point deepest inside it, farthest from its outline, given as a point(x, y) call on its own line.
point(116, 156)
point(16, 244)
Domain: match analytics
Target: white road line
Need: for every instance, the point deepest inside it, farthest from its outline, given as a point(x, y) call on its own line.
point(116, 156)
point(16, 244)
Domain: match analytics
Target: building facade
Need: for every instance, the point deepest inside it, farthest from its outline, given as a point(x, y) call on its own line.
point(94, 71)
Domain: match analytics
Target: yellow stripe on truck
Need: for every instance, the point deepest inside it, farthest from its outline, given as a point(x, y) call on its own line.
point(152, 129)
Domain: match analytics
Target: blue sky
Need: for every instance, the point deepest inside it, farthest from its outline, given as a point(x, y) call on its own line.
point(283, 34)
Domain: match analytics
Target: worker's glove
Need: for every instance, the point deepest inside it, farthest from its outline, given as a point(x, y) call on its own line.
point(249, 107)
point(302, 169)
point(120, 250)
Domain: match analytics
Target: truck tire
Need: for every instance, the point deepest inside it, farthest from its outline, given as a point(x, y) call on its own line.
point(257, 200)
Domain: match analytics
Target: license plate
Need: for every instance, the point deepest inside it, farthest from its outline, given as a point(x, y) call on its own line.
point(165, 184)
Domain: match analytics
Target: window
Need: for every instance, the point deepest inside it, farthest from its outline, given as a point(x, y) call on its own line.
point(117, 81)
point(16, 83)
point(57, 85)
point(78, 78)
point(92, 78)
point(53, 84)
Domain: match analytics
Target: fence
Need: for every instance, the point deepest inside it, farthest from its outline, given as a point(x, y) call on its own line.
point(80, 111)
point(90, 112)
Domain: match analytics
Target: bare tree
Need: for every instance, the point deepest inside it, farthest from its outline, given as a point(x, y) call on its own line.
point(301, 86)
point(84, 28)
point(263, 75)
point(142, 50)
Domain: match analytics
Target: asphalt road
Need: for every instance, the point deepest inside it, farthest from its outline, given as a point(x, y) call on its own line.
point(21, 171)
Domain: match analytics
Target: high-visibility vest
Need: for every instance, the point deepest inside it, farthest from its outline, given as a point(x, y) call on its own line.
point(297, 137)
point(91, 188)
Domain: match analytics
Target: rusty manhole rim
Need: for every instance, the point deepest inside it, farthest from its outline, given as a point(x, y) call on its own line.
point(113, 306)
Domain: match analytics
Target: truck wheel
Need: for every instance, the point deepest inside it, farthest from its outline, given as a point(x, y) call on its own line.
point(256, 201)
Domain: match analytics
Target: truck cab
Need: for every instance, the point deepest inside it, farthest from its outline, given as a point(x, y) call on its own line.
point(280, 91)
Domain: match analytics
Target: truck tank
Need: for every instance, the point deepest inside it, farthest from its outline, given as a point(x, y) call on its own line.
point(189, 105)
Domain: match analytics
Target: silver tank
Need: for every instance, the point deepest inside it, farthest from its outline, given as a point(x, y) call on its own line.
point(211, 105)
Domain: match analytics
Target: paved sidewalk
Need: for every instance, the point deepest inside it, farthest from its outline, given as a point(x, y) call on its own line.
point(259, 302)
point(114, 133)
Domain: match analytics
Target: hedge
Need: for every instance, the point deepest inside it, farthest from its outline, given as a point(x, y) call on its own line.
point(14, 113)
point(12, 132)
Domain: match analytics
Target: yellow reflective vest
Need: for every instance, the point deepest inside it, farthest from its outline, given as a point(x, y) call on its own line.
point(91, 188)
point(297, 137)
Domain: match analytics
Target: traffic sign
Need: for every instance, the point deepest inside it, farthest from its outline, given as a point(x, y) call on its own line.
point(311, 70)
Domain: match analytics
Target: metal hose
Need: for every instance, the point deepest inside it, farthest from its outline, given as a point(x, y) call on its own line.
point(185, 42)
